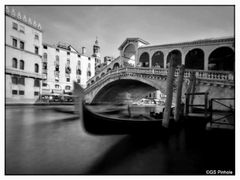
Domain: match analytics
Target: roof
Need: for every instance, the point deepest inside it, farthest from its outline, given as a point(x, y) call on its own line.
point(132, 39)
point(194, 42)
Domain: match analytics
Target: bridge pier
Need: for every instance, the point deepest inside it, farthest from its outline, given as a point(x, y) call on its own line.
point(169, 90)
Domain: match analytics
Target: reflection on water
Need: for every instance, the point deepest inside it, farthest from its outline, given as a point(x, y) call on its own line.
point(40, 140)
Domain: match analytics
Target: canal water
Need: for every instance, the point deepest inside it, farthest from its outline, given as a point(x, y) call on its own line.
point(40, 140)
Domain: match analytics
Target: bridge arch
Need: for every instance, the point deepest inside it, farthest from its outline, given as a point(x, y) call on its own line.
point(195, 59)
point(221, 58)
point(118, 91)
point(144, 60)
point(129, 51)
point(178, 56)
point(158, 59)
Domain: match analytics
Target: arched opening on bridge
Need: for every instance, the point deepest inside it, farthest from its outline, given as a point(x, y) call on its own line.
point(103, 74)
point(123, 91)
point(144, 59)
point(195, 59)
point(108, 70)
point(97, 78)
point(116, 66)
point(92, 81)
point(178, 55)
point(130, 52)
point(158, 59)
point(221, 59)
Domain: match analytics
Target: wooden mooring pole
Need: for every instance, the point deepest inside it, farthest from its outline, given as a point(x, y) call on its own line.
point(178, 107)
point(169, 90)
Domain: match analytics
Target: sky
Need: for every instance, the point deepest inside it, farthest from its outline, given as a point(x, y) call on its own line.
point(80, 25)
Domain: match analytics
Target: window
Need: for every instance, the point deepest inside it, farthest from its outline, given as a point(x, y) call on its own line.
point(57, 86)
point(89, 65)
point(36, 68)
point(68, 53)
point(22, 64)
point(56, 80)
point(22, 29)
point(68, 61)
point(14, 92)
point(57, 58)
point(88, 73)
point(21, 92)
point(79, 63)
point(14, 42)
point(78, 80)
point(44, 65)
point(45, 56)
point(15, 26)
point(68, 79)
point(21, 80)
point(78, 72)
point(57, 68)
point(36, 83)
point(44, 84)
point(44, 47)
point(67, 87)
point(14, 80)
point(36, 50)
point(79, 55)
point(57, 50)
point(89, 58)
point(14, 63)
point(36, 37)
point(36, 93)
point(21, 45)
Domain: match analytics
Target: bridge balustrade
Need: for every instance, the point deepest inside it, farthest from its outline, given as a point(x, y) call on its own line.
point(200, 74)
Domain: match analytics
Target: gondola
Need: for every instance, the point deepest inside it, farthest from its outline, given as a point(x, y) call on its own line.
point(102, 124)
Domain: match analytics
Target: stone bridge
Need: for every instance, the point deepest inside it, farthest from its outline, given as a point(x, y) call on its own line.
point(137, 82)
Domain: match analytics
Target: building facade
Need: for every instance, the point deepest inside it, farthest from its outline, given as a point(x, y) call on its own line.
point(23, 68)
point(34, 69)
point(61, 65)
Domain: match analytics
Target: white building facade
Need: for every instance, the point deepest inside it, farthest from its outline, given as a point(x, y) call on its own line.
point(62, 65)
point(23, 61)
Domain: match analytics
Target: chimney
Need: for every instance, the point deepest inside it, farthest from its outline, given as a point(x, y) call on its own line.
point(83, 50)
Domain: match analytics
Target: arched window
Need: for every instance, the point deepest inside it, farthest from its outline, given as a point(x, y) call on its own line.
point(14, 63)
point(157, 59)
point(44, 56)
point(115, 66)
point(178, 57)
point(36, 68)
point(79, 63)
point(109, 69)
point(195, 59)
point(130, 52)
point(22, 64)
point(144, 59)
point(221, 59)
point(103, 74)
point(89, 65)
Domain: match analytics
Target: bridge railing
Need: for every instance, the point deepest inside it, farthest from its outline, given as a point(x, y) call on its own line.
point(200, 74)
